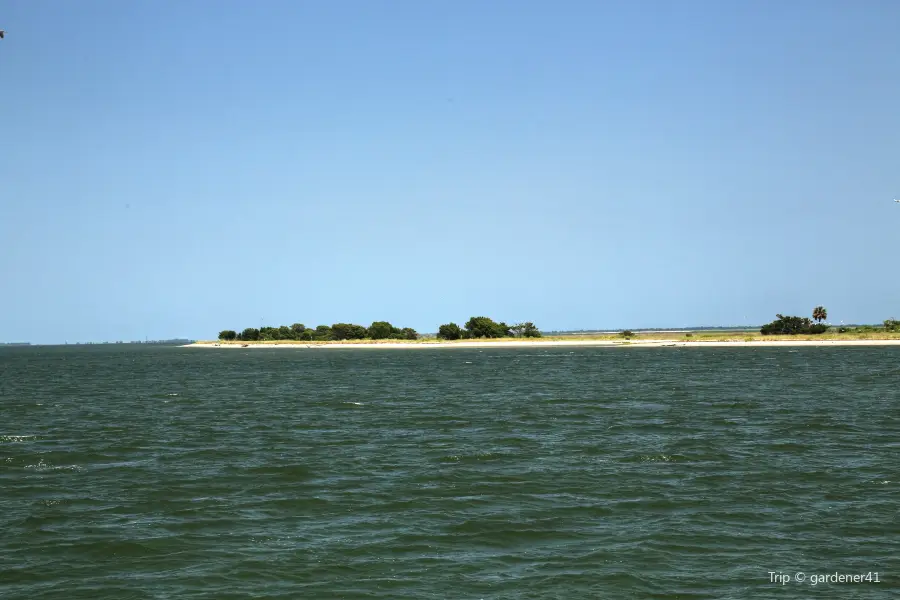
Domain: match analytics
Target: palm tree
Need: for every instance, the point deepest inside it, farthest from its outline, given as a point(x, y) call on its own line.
point(820, 314)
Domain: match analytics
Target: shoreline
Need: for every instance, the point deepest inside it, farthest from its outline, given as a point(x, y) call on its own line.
point(552, 343)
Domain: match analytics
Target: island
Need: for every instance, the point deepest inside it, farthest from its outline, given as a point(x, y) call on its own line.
point(484, 332)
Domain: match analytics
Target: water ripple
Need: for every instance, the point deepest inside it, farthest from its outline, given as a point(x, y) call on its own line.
point(501, 473)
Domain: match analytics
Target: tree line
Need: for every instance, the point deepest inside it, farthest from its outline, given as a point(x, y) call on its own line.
point(784, 325)
point(797, 325)
point(476, 327)
point(379, 330)
point(485, 327)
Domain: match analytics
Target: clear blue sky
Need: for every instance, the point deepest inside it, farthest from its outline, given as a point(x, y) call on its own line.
point(173, 168)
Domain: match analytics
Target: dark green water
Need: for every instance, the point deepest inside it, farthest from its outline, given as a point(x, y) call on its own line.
point(134, 472)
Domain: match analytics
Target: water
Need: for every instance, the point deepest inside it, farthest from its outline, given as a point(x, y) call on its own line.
point(136, 472)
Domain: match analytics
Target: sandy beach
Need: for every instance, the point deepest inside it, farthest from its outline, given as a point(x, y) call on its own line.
point(551, 343)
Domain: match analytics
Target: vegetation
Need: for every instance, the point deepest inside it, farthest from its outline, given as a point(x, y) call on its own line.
point(784, 327)
point(379, 330)
point(792, 326)
point(819, 314)
point(797, 325)
point(526, 329)
point(475, 328)
point(851, 332)
point(485, 327)
point(450, 331)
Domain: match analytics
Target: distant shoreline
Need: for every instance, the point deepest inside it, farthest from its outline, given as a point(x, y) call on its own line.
point(533, 343)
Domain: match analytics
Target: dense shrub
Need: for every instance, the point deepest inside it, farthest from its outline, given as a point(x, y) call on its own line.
point(450, 331)
point(792, 326)
point(485, 327)
point(476, 327)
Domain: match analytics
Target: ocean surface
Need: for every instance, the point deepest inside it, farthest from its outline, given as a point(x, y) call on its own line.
point(164, 472)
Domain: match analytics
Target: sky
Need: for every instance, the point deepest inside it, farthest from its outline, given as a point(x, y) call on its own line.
point(174, 168)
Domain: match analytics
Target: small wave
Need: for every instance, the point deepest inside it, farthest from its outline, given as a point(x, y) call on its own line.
point(644, 458)
point(42, 466)
point(16, 439)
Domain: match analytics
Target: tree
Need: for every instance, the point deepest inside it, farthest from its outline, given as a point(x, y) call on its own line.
point(227, 335)
point(409, 333)
point(348, 331)
point(627, 334)
point(380, 330)
point(323, 333)
point(297, 330)
point(891, 325)
point(250, 334)
point(531, 331)
point(450, 331)
point(525, 330)
point(783, 325)
point(819, 314)
point(482, 327)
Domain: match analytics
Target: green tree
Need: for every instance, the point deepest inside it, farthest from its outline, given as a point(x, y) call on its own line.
point(227, 335)
point(348, 331)
point(819, 314)
point(250, 334)
point(531, 331)
point(297, 330)
point(323, 333)
point(482, 327)
point(450, 331)
point(409, 333)
point(783, 325)
point(627, 334)
point(380, 330)
point(285, 333)
point(891, 325)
